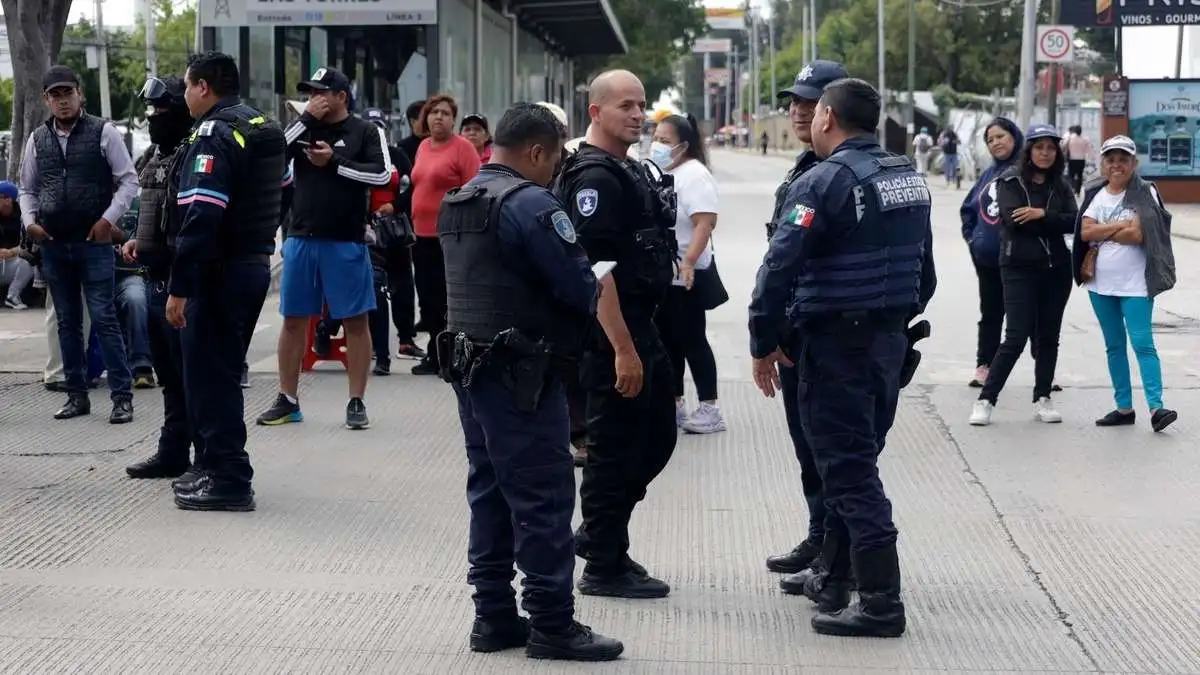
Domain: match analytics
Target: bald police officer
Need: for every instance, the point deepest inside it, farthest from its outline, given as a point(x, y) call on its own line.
point(520, 296)
point(802, 99)
point(854, 253)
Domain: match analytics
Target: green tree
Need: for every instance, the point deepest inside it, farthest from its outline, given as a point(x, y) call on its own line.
point(6, 103)
point(77, 40)
point(35, 33)
point(173, 34)
point(659, 33)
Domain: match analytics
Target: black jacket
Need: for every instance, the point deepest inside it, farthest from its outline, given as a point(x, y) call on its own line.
point(1038, 242)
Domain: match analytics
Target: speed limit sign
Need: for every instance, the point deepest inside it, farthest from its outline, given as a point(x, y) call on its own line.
point(1055, 44)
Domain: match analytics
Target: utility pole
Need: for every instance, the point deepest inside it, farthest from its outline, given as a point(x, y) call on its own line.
point(707, 58)
point(737, 87)
point(882, 83)
point(812, 27)
point(771, 45)
point(911, 124)
point(1052, 76)
point(151, 47)
point(1028, 86)
point(804, 36)
point(754, 93)
point(102, 47)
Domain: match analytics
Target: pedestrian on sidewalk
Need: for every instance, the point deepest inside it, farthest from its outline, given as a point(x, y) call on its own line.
point(1037, 208)
point(1123, 254)
point(980, 214)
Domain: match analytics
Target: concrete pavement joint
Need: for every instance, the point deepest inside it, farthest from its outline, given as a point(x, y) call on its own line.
point(924, 396)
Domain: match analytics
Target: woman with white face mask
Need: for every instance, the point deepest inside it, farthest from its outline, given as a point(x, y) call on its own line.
point(678, 150)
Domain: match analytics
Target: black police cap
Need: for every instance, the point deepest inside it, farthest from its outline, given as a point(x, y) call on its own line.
point(812, 79)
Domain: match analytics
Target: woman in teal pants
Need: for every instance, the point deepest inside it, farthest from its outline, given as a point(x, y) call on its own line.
point(1128, 227)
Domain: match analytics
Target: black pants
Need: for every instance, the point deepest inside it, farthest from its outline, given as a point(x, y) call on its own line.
point(166, 354)
point(213, 352)
point(681, 321)
point(991, 312)
point(630, 441)
point(1075, 169)
point(399, 267)
point(1035, 298)
point(576, 401)
point(377, 323)
point(810, 476)
point(429, 269)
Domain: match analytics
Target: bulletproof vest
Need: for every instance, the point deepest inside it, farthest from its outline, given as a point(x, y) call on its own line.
point(252, 217)
point(158, 219)
point(74, 187)
point(484, 294)
point(652, 249)
point(804, 162)
point(877, 264)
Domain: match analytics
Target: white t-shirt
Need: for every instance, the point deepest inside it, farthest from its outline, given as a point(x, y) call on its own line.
point(1120, 268)
point(696, 190)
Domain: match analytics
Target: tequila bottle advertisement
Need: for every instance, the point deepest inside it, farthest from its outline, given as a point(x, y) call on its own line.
point(1164, 122)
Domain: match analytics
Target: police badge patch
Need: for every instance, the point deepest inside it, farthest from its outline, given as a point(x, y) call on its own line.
point(586, 201)
point(562, 226)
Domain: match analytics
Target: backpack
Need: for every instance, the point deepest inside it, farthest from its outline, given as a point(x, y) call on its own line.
point(923, 144)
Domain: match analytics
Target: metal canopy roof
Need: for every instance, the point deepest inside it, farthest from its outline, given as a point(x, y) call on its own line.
point(577, 27)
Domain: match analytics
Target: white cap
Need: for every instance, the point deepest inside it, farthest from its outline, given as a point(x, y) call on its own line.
point(557, 110)
point(1118, 142)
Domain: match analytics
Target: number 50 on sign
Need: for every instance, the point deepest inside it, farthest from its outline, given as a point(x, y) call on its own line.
point(1055, 44)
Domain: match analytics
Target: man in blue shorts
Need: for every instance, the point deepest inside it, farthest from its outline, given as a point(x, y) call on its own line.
point(336, 158)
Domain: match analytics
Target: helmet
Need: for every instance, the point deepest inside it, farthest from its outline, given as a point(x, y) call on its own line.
point(166, 91)
point(1037, 131)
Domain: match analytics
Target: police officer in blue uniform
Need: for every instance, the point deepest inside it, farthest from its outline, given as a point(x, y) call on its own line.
point(626, 215)
point(802, 99)
point(854, 253)
point(520, 295)
point(170, 124)
point(229, 194)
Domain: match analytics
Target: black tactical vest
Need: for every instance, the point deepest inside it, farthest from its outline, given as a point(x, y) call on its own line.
point(652, 248)
point(256, 198)
point(74, 187)
point(157, 217)
point(484, 295)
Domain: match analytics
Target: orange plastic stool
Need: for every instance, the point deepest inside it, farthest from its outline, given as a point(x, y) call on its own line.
point(337, 347)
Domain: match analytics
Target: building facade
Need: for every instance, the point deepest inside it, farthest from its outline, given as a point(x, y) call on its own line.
point(485, 53)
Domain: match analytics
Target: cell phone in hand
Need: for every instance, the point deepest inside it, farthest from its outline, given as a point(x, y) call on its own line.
point(603, 268)
point(303, 144)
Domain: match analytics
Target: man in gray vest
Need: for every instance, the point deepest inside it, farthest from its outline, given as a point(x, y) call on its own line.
point(77, 181)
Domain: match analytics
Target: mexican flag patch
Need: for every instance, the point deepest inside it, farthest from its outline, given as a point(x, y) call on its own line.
point(802, 215)
point(204, 164)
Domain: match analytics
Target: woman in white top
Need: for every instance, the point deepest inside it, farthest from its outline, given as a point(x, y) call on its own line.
point(678, 150)
point(1125, 262)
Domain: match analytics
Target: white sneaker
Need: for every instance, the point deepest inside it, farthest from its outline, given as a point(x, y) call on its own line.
point(1043, 411)
point(15, 303)
point(681, 413)
point(706, 419)
point(981, 414)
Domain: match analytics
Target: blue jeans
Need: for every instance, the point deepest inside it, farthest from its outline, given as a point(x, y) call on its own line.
point(1119, 316)
point(72, 268)
point(133, 314)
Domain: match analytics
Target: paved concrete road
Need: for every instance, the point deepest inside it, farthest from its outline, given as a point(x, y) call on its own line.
point(1025, 547)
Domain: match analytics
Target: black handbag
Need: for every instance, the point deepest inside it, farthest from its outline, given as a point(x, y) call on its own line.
point(394, 231)
point(709, 289)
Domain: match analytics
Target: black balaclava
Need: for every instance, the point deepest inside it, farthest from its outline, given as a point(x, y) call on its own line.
point(169, 128)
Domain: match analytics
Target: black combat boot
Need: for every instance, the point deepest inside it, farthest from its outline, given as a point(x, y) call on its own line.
point(160, 465)
point(577, 642)
point(77, 405)
point(494, 634)
point(828, 581)
point(797, 559)
point(879, 612)
point(190, 480)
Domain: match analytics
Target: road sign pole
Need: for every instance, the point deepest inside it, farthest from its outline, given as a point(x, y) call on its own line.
point(1028, 65)
point(1052, 76)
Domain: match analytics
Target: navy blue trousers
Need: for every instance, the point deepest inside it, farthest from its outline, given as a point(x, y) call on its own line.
point(521, 491)
point(166, 353)
point(226, 305)
point(810, 477)
point(847, 393)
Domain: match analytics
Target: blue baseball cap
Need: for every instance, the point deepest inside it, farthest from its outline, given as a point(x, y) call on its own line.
point(812, 79)
point(1037, 131)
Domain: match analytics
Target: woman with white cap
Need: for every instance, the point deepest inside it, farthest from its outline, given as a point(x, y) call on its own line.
point(1123, 254)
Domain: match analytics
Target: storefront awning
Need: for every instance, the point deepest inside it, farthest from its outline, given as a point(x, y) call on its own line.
point(579, 27)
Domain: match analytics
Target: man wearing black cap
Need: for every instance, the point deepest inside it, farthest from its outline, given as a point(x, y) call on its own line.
point(77, 181)
point(802, 99)
point(337, 157)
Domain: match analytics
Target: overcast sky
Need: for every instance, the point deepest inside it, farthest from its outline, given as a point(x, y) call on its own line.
point(1149, 51)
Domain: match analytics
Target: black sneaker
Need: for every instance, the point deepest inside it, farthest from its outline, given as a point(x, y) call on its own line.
point(382, 369)
point(629, 585)
point(1162, 418)
point(576, 643)
point(122, 411)
point(156, 466)
point(77, 405)
point(356, 415)
point(1117, 418)
point(211, 494)
point(497, 634)
point(283, 412)
point(408, 350)
point(425, 367)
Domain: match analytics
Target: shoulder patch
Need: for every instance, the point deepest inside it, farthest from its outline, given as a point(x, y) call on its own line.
point(204, 164)
point(586, 201)
point(206, 128)
point(562, 225)
point(802, 215)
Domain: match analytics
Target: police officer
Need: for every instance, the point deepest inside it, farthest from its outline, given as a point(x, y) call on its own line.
point(170, 123)
point(622, 214)
point(229, 196)
point(854, 249)
point(520, 292)
point(802, 99)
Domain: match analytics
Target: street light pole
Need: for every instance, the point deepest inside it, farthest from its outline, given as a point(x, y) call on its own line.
point(882, 84)
point(1028, 66)
point(911, 124)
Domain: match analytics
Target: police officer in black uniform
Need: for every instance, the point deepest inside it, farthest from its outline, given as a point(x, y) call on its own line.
point(854, 252)
point(520, 295)
point(229, 194)
point(158, 223)
point(623, 214)
point(802, 99)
